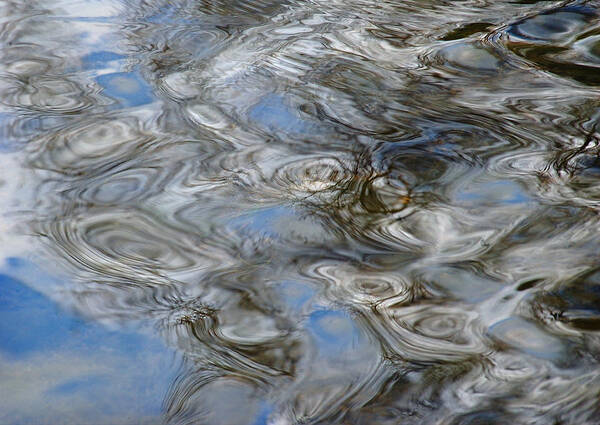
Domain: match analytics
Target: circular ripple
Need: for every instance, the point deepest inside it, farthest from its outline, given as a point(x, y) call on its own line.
point(88, 148)
point(527, 337)
point(362, 287)
point(433, 333)
point(312, 176)
point(513, 370)
point(248, 327)
point(28, 67)
point(472, 57)
point(180, 85)
point(123, 186)
point(444, 326)
point(119, 242)
point(49, 95)
point(553, 26)
point(312, 179)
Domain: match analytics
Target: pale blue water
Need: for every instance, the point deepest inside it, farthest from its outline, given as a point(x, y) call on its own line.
point(59, 367)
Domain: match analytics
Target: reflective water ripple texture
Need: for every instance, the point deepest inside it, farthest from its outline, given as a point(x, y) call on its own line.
point(336, 212)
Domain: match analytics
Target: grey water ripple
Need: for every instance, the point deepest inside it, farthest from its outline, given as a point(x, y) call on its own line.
point(335, 212)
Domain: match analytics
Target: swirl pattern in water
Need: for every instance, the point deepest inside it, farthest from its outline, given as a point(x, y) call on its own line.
point(357, 212)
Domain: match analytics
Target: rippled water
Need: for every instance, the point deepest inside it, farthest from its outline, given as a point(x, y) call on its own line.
point(324, 212)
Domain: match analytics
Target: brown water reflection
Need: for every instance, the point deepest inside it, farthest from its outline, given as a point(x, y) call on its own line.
point(336, 212)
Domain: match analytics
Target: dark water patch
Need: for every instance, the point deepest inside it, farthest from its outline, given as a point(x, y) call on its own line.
point(467, 30)
point(560, 41)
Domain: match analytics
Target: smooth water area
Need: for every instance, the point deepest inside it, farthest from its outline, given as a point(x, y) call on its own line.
point(252, 212)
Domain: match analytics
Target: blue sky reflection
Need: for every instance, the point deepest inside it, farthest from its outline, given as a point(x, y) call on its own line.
point(57, 367)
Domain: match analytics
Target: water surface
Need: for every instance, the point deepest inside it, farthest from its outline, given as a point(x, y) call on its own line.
point(320, 212)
